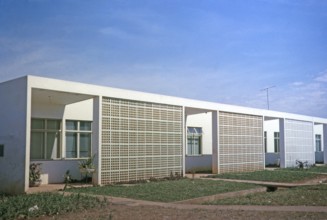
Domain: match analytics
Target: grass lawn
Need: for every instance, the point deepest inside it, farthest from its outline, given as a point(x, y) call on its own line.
point(281, 175)
point(167, 191)
point(13, 207)
point(315, 169)
point(304, 195)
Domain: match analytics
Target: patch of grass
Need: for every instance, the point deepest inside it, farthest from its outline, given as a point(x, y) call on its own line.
point(282, 175)
point(167, 191)
point(315, 169)
point(304, 195)
point(34, 205)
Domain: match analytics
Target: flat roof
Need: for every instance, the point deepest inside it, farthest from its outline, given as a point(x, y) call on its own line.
point(197, 106)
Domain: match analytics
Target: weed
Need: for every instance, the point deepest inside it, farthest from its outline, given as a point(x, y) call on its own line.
point(34, 205)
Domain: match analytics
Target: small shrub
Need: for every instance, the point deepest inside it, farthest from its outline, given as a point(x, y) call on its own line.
point(301, 164)
point(35, 172)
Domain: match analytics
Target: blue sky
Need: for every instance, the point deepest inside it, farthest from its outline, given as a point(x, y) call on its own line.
point(215, 50)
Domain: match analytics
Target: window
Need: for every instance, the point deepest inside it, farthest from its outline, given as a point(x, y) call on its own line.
point(276, 142)
point(78, 139)
point(2, 149)
point(45, 139)
point(318, 142)
point(194, 141)
point(265, 141)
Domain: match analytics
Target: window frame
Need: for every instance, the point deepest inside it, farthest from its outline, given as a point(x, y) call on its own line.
point(78, 131)
point(45, 131)
point(276, 142)
point(265, 140)
point(318, 149)
point(192, 138)
point(2, 150)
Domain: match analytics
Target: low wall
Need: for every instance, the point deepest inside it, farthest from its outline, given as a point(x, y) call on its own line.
point(272, 159)
point(319, 157)
point(198, 163)
point(53, 171)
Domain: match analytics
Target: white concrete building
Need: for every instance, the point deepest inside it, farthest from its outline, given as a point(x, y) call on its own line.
point(136, 135)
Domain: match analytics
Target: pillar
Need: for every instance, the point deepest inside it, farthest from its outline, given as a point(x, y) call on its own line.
point(215, 145)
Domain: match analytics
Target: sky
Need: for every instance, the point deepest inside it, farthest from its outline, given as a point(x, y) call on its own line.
point(224, 51)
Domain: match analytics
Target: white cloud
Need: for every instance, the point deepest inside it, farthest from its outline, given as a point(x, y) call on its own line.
point(297, 83)
point(322, 78)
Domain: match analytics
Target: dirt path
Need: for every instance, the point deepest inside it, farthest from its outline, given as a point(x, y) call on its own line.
point(182, 212)
point(123, 208)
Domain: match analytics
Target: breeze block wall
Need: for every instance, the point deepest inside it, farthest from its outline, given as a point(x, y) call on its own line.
point(140, 140)
point(298, 142)
point(240, 143)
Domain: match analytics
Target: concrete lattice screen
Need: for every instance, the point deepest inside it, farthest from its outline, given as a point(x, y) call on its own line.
point(140, 140)
point(240, 142)
point(298, 142)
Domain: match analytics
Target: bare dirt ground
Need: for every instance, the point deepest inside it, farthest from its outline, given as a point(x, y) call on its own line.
point(121, 208)
point(165, 213)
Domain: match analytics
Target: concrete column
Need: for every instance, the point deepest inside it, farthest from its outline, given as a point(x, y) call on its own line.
point(215, 143)
point(282, 147)
point(28, 137)
point(96, 138)
point(324, 142)
point(184, 140)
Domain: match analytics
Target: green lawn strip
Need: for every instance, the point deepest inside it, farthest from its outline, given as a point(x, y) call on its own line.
point(299, 196)
point(34, 205)
point(270, 176)
point(167, 191)
point(314, 169)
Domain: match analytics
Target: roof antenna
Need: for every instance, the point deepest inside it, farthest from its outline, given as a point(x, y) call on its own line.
point(267, 90)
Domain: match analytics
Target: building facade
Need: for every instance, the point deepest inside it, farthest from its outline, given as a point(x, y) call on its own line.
point(134, 135)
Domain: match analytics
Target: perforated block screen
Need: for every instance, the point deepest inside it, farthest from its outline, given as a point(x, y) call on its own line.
point(240, 143)
point(298, 142)
point(140, 140)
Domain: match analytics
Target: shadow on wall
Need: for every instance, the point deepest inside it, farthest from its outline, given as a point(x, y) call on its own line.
point(198, 164)
point(319, 157)
point(54, 171)
point(272, 160)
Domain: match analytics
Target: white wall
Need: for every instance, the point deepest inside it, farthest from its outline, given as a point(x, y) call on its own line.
point(80, 110)
point(77, 111)
point(54, 170)
point(13, 124)
point(270, 127)
point(202, 120)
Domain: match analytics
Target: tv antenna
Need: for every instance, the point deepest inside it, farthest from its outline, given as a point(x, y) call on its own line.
point(267, 90)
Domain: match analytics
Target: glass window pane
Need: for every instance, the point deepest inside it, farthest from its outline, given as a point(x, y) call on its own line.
point(85, 145)
point(189, 146)
point(196, 146)
point(53, 124)
point(37, 124)
point(85, 126)
point(71, 145)
point(198, 130)
point(71, 125)
point(53, 143)
point(318, 142)
point(37, 145)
